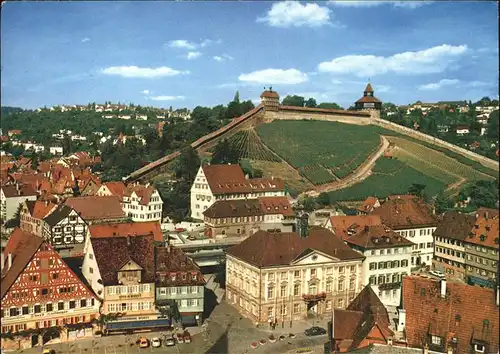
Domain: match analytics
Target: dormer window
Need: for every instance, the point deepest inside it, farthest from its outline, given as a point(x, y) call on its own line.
point(479, 348)
point(436, 340)
point(482, 238)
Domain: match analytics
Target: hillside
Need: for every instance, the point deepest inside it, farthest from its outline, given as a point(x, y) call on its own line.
point(328, 156)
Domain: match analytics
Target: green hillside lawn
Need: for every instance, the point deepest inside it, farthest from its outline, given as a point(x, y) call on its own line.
point(323, 147)
point(389, 176)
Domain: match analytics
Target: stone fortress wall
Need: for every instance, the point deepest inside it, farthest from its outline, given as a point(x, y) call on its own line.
point(260, 115)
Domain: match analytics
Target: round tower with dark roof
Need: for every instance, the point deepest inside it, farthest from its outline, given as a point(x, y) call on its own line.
point(368, 101)
point(270, 99)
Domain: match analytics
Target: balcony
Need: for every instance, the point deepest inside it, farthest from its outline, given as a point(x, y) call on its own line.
point(389, 286)
point(314, 297)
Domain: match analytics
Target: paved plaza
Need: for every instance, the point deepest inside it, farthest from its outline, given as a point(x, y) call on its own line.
point(226, 331)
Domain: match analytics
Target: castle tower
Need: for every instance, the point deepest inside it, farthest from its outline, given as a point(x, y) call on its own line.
point(368, 101)
point(270, 100)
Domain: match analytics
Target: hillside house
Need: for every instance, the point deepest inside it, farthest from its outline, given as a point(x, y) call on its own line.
point(227, 182)
point(462, 130)
point(56, 150)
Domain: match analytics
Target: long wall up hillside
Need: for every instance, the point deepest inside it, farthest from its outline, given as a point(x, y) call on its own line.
point(260, 115)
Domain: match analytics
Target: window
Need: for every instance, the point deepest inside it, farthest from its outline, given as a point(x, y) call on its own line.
point(329, 286)
point(296, 308)
point(25, 310)
point(13, 312)
point(283, 291)
point(48, 307)
point(341, 285)
point(313, 273)
point(312, 289)
point(37, 308)
point(479, 348)
point(296, 274)
point(91, 270)
point(340, 303)
point(83, 303)
point(72, 304)
point(341, 270)
point(296, 290)
point(373, 266)
point(45, 291)
point(270, 312)
point(270, 292)
point(60, 306)
point(352, 284)
point(283, 310)
point(436, 340)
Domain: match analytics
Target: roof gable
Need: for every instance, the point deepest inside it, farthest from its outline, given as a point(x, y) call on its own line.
point(311, 256)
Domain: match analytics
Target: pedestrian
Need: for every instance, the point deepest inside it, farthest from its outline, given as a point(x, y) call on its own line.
point(270, 324)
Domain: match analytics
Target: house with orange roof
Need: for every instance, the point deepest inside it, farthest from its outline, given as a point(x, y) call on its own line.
point(448, 317)
point(368, 205)
point(12, 196)
point(139, 202)
point(481, 249)
point(32, 214)
point(228, 182)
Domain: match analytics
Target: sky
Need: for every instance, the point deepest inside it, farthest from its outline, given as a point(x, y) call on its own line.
point(184, 54)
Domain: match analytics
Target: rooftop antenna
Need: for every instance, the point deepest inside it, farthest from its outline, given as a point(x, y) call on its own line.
point(270, 89)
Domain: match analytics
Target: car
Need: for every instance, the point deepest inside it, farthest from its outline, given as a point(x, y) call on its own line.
point(49, 351)
point(169, 341)
point(187, 337)
point(314, 331)
point(437, 273)
point(143, 342)
point(155, 342)
point(180, 338)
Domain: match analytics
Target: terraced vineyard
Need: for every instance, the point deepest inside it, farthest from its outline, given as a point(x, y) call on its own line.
point(250, 146)
point(319, 149)
point(389, 176)
point(434, 163)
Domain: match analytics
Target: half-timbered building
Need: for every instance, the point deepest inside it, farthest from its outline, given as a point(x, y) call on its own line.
point(32, 214)
point(40, 291)
point(65, 230)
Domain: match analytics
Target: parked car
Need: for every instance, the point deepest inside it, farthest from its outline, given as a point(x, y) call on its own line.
point(315, 331)
point(155, 342)
point(169, 341)
point(180, 338)
point(437, 273)
point(187, 337)
point(143, 342)
point(49, 351)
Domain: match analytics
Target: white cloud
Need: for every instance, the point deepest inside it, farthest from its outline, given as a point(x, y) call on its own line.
point(137, 72)
point(408, 4)
point(223, 57)
point(275, 76)
point(437, 85)
point(427, 61)
point(86, 39)
point(181, 43)
point(146, 92)
point(294, 14)
point(167, 98)
point(193, 55)
point(383, 88)
point(479, 84)
point(185, 44)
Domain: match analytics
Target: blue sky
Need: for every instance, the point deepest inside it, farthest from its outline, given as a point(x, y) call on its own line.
point(199, 53)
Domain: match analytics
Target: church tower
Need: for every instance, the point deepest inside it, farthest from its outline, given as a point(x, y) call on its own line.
point(270, 100)
point(368, 101)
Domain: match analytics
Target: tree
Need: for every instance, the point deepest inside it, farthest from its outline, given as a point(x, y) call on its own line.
point(311, 103)
point(417, 189)
point(67, 145)
point(188, 165)
point(34, 161)
point(323, 199)
point(16, 219)
point(169, 309)
point(225, 153)
point(297, 101)
point(492, 127)
point(482, 194)
point(329, 105)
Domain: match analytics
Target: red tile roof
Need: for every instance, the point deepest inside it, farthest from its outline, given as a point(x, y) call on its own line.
point(116, 188)
point(269, 94)
point(224, 179)
point(112, 253)
point(368, 205)
point(39, 209)
point(144, 192)
point(249, 207)
point(129, 228)
point(171, 260)
point(406, 212)
point(485, 229)
point(369, 88)
point(454, 225)
point(22, 245)
point(343, 223)
point(368, 99)
point(97, 208)
point(265, 249)
point(13, 191)
point(467, 313)
point(377, 236)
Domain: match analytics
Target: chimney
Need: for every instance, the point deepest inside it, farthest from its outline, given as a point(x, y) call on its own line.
point(46, 203)
point(9, 261)
point(477, 216)
point(443, 288)
point(486, 215)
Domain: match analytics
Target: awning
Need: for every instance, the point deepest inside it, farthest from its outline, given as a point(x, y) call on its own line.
point(480, 281)
point(137, 324)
